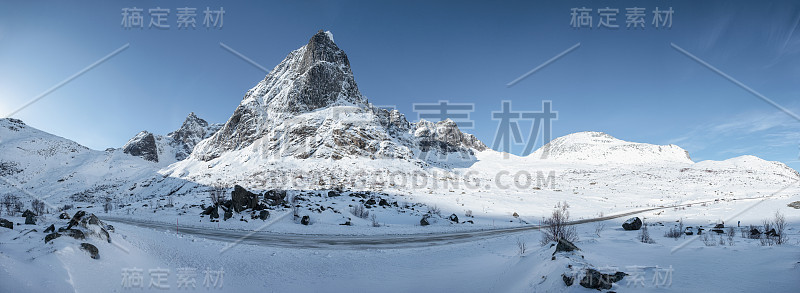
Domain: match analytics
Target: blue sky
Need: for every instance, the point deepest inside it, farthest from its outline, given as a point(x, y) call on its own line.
point(629, 83)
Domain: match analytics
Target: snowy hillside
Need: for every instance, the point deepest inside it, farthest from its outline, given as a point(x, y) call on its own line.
point(601, 148)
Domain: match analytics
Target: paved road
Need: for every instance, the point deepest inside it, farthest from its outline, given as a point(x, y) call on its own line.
point(364, 242)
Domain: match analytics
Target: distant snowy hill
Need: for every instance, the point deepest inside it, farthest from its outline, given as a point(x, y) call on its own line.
point(601, 148)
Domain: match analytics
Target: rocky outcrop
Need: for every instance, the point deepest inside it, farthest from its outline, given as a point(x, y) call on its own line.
point(142, 145)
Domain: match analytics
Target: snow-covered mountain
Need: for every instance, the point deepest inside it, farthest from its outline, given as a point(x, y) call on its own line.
point(601, 148)
point(173, 147)
point(309, 106)
point(308, 117)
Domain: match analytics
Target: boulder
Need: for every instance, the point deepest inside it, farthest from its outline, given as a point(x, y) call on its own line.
point(263, 215)
point(383, 203)
point(632, 224)
point(568, 280)
point(597, 280)
point(333, 193)
point(772, 233)
point(754, 233)
point(243, 199)
point(719, 226)
point(51, 236)
point(63, 216)
point(305, 220)
point(454, 218)
point(228, 214)
point(371, 202)
point(275, 197)
point(515, 215)
point(30, 219)
point(424, 221)
point(93, 252)
point(565, 245)
point(76, 219)
point(50, 229)
point(27, 213)
point(6, 224)
point(688, 231)
point(74, 233)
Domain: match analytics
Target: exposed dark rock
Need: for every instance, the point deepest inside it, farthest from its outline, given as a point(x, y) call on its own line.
point(30, 219)
point(719, 226)
point(334, 193)
point(305, 220)
point(568, 280)
point(275, 197)
point(263, 215)
point(27, 213)
point(95, 254)
point(50, 229)
point(74, 233)
point(772, 233)
point(51, 236)
point(424, 221)
point(515, 215)
point(565, 246)
point(754, 233)
point(6, 224)
point(228, 214)
point(632, 224)
point(76, 219)
point(142, 145)
point(371, 202)
point(64, 216)
point(383, 203)
point(454, 218)
point(597, 280)
point(243, 199)
point(688, 231)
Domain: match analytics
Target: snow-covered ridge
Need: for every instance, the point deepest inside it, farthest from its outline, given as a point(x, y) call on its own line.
point(600, 148)
point(175, 146)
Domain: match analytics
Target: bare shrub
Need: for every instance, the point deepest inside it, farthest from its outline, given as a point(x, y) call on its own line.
point(216, 194)
point(676, 231)
point(434, 210)
point(779, 224)
point(38, 206)
point(468, 213)
point(557, 226)
point(708, 239)
point(644, 235)
point(598, 228)
point(521, 246)
point(12, 204)
point(359, 211)
point(374, 219)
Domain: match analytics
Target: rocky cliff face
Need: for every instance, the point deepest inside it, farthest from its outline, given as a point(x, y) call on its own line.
point(142, 145)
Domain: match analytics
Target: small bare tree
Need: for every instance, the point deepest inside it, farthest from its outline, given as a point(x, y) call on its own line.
point(216, 194)
point(779, 224)
point(521, 246)
point(37, 206)
point(360, 211)
point(557, 226)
